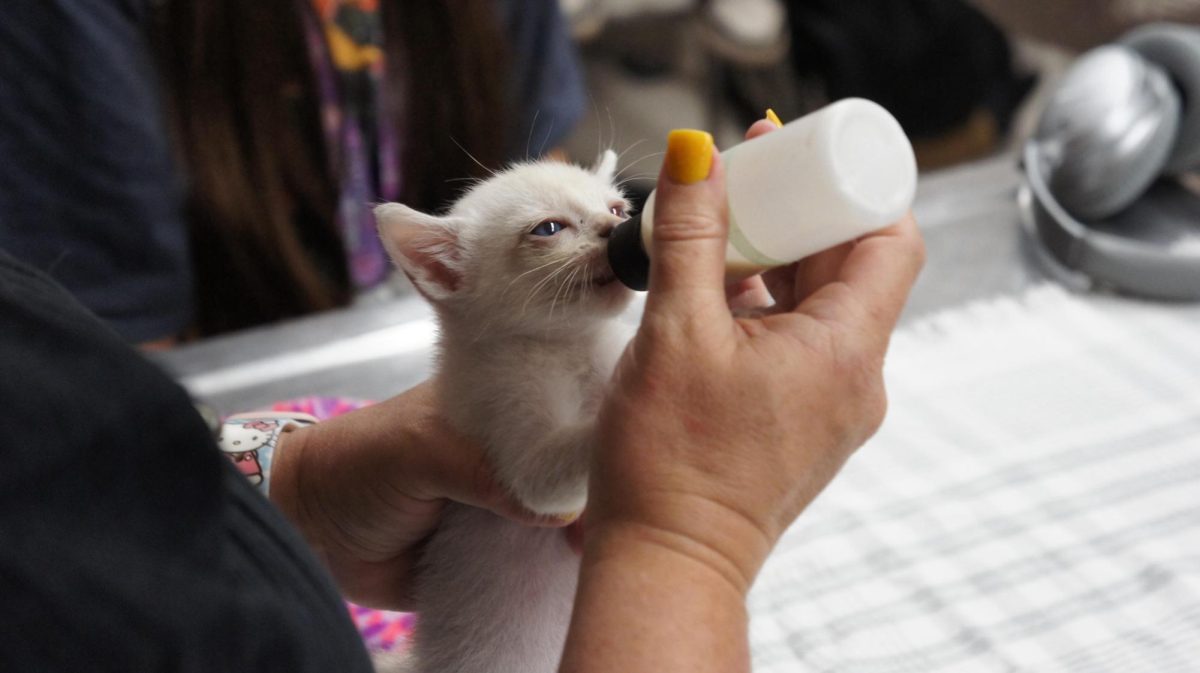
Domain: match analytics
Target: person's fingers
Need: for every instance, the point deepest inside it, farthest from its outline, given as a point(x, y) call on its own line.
point(690, 229)
point(689, 153)
point(752, 293)
point(878, 273)
point(748, 294)
point(817, 271)
point(781, 283)
point(760, 127)
point(790, 284)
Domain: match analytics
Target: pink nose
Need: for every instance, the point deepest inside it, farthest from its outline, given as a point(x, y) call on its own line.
point(605, 229)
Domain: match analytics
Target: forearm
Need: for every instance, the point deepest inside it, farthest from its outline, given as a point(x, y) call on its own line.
point(645, 606)
point(322, 482)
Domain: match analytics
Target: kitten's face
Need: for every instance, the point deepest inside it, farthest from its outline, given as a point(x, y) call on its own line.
point(526, 249)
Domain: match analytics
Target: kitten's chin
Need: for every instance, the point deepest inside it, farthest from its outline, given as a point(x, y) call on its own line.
point(597, 298)
point(602, 279)
point(607, 293)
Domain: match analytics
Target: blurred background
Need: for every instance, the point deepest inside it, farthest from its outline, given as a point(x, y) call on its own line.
point(233, 186)
point(222, 210)
point(953, 77)
point(289, 292)
point(965, 78)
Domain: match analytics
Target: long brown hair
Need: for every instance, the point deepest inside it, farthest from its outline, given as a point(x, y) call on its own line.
point(262, 185)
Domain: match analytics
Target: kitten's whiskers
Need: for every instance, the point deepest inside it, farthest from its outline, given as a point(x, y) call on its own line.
point(564, 285)
point(519, 277)
point(635, 176)
point(637, 161)
point(472, 157)
point(529, 138)
point(533, 292)
point(630, 148)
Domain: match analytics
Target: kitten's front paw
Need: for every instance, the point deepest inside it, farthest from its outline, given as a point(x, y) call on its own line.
point(569, 518)
point(564, 502)
point(551, 478)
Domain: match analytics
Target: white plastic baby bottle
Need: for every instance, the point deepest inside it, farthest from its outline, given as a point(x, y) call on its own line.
point(821, 180)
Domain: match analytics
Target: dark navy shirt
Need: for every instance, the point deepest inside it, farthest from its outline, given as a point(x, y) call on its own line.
point(87, 187)
point(128, 543)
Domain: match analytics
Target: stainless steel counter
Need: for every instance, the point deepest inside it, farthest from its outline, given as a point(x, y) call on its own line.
point(968, 214)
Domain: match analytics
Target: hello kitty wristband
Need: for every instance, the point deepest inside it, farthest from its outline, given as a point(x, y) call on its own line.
point(249, 440)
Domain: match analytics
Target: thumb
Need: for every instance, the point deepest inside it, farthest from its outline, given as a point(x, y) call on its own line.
point(689, 228)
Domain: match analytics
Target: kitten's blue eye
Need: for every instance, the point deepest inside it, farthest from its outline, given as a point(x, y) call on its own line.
point(547, 228)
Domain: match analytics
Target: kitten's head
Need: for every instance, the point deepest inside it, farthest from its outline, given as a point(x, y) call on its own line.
point(525, 249)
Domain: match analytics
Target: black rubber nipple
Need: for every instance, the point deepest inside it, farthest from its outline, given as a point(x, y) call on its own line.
point(626, 255)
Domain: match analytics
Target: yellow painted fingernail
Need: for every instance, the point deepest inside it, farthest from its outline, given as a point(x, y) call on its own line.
point(569, 518)
point(689, 155)
point(773, 118)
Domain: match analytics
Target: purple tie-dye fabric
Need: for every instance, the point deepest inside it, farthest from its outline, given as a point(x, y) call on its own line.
point(345, 40)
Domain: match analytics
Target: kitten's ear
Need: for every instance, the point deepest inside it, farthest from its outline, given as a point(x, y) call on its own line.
point(606, 165)
point(425, 247)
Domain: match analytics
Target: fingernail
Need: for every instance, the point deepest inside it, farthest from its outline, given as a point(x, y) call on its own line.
point(773, 118)
point(689, 155)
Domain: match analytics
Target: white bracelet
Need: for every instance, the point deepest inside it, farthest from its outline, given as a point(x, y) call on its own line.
point(249, 440)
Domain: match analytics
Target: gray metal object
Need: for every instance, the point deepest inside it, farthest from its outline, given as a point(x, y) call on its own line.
point(1151, 249)
point(1176, 49)
point(1106, 132)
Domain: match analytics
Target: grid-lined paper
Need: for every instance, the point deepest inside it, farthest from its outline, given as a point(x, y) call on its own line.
point(1032, 503)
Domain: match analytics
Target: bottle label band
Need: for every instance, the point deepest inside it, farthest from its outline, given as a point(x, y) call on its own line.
point(737, 238)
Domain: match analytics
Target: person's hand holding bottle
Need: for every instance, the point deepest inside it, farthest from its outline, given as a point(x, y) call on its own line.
point(720, 429)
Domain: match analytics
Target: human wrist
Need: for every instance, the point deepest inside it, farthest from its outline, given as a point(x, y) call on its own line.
point(285, 478)
point(300, 482)
point(693, 531)
point(628, 580)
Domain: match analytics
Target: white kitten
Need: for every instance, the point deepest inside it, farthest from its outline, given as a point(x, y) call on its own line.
point(518, 274)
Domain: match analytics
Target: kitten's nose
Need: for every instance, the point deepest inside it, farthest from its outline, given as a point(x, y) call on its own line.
point(605, 229)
